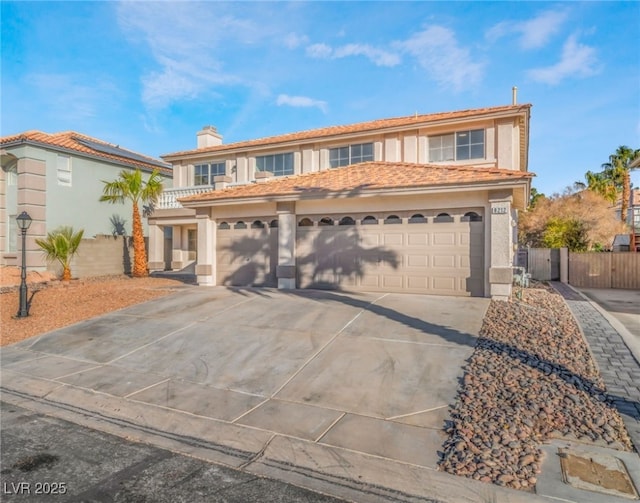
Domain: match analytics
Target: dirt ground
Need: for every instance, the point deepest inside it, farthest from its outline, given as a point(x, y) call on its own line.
point(55, 304)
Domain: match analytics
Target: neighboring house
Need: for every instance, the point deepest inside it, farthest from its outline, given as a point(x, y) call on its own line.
point(57, 179)
point(634, 217)
point(425, 203)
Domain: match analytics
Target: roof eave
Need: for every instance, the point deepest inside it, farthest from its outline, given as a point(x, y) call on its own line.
point(522, 183)
point(230, 149)
point(149, 167)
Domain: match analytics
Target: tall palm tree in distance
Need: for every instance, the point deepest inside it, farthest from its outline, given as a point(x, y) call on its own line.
point(618, 170)
point(130, 186)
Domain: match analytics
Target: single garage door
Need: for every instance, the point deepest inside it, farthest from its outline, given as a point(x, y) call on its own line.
point(247, 252)
point(419, 252)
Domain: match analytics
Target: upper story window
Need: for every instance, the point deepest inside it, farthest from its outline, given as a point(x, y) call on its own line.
point(64, 170)
point(12, 175)
point(458, 146)
point(204, 173)
point(278, 164)
point(352, 154)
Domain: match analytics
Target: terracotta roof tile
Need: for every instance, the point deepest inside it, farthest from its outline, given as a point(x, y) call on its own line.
point(72, 141)
point(416, 119)
point(366, 176)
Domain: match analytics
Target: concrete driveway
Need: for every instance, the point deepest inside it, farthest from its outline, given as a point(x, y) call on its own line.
point(333, 391)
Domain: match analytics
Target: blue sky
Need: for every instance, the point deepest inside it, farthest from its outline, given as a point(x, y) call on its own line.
point(149, 75)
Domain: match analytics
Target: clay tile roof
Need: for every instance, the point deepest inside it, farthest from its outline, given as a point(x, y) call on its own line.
point(366, 176)
point(83, 144)
point(312, 134)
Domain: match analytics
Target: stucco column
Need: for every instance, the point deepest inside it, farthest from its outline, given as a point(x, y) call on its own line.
point(156, 248)
point(501, 270)
point(286, 270)
point(32, 198)
point(177, 255)
point(206, 256)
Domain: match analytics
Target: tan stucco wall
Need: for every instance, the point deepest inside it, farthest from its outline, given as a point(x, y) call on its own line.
point(502, 147)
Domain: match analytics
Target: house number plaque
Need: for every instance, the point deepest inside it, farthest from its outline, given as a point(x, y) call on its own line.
point(498, 210)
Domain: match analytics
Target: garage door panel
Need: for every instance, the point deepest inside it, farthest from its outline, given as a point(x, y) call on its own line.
point(418, 239)
point(393, 238)
point(440, 261)
point(369, 239)
point(418, 283)
point(445, 258)
point(247, 257)
point(445, 284)
point(392, 281)
point(417, 261)
point(444, 238)
point(370, 282)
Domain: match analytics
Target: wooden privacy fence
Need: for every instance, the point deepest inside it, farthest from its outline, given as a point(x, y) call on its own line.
point(604, 270)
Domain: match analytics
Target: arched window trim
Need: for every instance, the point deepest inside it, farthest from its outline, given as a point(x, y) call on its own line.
point(240, 224)
point(257, 224)
point(274, 223)
point(326, 222)
point(369, 220)
point(418, 218)
point(305, 222)
point(347, 220)
point(471, 216)
point(443, 218)
point(392, 219)
point(224, 226)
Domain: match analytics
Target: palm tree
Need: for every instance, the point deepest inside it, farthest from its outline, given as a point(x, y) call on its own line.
point(61, 245)
point(130, 186)
point(618, 170)
point(602, 184)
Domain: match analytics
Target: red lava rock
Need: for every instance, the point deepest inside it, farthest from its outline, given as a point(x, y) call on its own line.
point(531, 377)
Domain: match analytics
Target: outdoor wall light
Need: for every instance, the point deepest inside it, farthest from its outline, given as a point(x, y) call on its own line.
point(24, 222)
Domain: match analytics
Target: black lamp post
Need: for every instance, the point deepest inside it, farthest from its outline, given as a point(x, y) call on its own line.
point(24, 221)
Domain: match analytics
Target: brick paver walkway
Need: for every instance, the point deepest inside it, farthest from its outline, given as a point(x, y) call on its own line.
point(619, 369)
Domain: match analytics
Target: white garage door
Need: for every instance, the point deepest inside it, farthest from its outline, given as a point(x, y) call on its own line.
point(247, 252)
point(419, 252)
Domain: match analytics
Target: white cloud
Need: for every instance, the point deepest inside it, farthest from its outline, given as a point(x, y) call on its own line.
point(184, 39)
point(577, 60)
point(447, 62)
point(72, 96)
point(534, 33)
point(293, 40)
point(378, 57)
point(321, 51)
point(301, 101)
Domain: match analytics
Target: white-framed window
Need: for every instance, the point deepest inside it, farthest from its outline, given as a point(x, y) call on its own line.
point(278, 164)
point(459, 146)
point(204, 173)
point(351, 154)
point(64, 170)
point(12, 235)
point(12, 176)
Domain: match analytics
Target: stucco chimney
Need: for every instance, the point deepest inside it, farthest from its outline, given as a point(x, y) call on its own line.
point(514, 95)
point(208, 136)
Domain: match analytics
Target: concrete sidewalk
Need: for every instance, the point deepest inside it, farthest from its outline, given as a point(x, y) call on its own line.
point(622, 310)
point(345, 394)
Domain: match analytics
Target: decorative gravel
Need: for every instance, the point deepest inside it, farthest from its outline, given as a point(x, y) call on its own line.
point(56, 304)
point(530, 378)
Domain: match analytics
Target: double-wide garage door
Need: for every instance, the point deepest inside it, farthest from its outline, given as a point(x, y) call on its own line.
point(438, 253)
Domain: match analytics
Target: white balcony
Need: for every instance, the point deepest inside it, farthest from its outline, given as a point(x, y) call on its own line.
point(169, 197)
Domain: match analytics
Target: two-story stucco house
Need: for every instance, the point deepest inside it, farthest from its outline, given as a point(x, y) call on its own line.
point(57, 179)
point(423, 204)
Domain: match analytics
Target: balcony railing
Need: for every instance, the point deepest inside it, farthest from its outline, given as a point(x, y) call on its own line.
point(169, 197)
